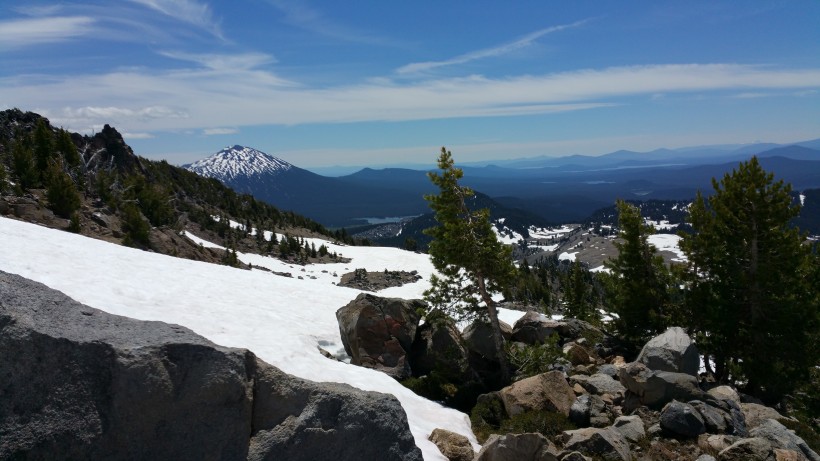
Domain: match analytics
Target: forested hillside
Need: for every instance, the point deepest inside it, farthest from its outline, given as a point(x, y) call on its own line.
point(96, 185)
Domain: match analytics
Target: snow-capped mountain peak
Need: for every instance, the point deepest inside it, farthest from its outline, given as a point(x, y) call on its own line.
point(237, 162)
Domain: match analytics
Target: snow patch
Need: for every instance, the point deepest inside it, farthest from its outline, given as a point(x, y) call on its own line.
point(668, 242)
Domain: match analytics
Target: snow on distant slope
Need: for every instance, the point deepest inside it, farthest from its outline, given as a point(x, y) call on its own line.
point(238, 162)
point(668, 242)
point(281, 319)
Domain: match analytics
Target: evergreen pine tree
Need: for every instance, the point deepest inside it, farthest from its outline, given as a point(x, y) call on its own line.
point(750, 275)
point(61, 193)
point(577, 294)
point(22, 159)
point(66, 147)
point(43, 148)
point(3, 178)
point(472, 262)
point(638, 289)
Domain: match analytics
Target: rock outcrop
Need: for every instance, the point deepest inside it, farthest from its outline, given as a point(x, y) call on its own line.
point(89, 385)
point(378, 332)
point(672, 350)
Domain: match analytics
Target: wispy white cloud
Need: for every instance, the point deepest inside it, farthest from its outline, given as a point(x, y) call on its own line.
point(495, 51)
point(753, 95)
point(191, 11)
point(301, 15)
point(223, 62)
point(38, 10)
point(34, 31)
point(202, 98)
point(129, 135)
point(219, 131)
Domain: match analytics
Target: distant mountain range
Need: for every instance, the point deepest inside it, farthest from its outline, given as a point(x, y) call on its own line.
point(331, 201)
point(553, 190)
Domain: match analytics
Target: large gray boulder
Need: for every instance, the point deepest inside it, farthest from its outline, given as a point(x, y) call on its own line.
point(547, 391)
point(533, 328)
point(599, 384)
point(672, 350)
point(607, 443)
point(781, 437)
point(631, 427)
point(481, 353)
point(682, 419)
point(478, 337)
point(589, 410)
point(657, 388)
point(755, 414)
point(716, 420)
point(84, 384)
point(517, 447)
point(378, 332)
point(753, 449)
point(724, 393)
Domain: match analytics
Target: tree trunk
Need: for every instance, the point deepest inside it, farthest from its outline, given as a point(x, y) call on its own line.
point(498, 337)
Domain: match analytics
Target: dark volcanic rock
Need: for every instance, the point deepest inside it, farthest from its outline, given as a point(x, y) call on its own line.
point(378, 332)
point(656, 388)
point(438, 347)
point(84, 384)
point(533, 328)
point(682, 419)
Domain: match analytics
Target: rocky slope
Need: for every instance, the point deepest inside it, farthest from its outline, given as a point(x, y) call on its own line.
point(585, 403)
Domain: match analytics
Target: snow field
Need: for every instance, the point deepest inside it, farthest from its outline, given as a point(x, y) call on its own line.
point(281, 319)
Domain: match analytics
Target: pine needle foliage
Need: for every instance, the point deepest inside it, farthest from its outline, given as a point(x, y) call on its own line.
point(751, 277)
point(639, 288)
point(466, 252)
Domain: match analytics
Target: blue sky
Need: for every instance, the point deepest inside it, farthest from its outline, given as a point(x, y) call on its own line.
point(376, 83)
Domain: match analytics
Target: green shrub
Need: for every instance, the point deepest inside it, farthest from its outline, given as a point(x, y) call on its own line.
point(486, 417)
point(437, 387)
point(531, 360)
point(74, 223)
point(548, 423)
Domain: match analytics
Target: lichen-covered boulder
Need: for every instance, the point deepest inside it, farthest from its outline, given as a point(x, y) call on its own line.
point(378, 332)
point(455, 447)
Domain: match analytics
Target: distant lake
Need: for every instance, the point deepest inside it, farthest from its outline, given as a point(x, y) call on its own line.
point(386, 220)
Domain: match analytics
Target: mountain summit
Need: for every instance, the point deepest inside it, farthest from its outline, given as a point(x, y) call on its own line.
point(238, 162)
